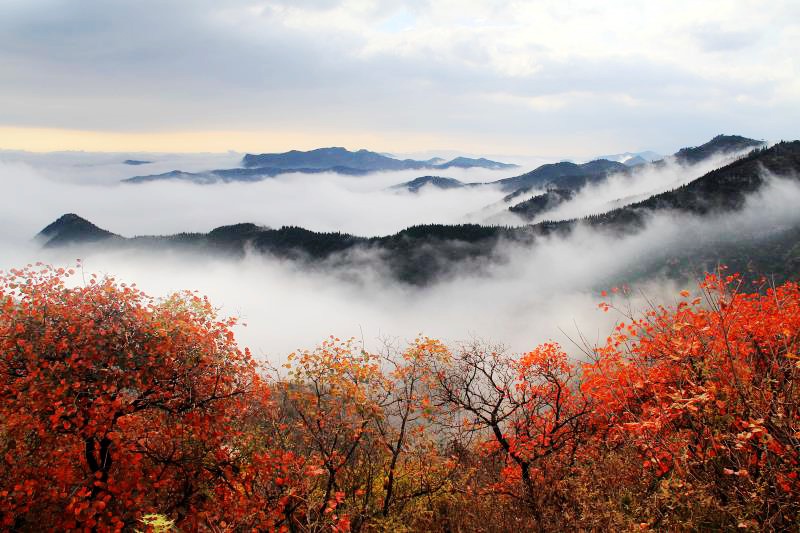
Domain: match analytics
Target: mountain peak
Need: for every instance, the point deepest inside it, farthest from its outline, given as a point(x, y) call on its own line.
point(720, 144)
point(438, 182)
point(72, 228)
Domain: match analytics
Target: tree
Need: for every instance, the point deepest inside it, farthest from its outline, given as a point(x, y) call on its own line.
point(120, 411)
point(417, 465)
point(365, 424)
point(706, 393)
point(329, 407)
point(528, 411)
point(115, 405)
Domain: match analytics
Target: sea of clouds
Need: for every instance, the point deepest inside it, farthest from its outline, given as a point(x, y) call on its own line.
point(544, 292)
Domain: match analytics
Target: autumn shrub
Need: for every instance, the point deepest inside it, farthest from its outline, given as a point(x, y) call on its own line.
point(114, 405)
point(365, 425)
point(686, 419)
point(705, 393)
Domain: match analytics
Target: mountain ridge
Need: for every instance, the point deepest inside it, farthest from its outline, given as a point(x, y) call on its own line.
point(256, 167)
point(569, 175)
point(361, 160)
point(422, 253)
point(564, 174)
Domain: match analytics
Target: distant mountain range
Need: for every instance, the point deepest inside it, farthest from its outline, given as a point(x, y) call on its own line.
point(239, 174)
point(421, 254)
point(324, 158)
point(256, 167)
point(563, 175)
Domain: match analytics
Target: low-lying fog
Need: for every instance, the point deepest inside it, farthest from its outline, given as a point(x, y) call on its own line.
point(554, 285)
point(616, 191)
point(48, 185)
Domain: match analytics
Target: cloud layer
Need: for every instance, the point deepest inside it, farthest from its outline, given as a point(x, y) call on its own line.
point(528, 299)
point(546, 78)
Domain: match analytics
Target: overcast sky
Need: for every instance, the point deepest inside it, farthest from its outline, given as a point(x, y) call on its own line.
point(560, 78)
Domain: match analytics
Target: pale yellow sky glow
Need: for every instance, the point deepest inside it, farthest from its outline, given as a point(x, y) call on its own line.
point(55, 139)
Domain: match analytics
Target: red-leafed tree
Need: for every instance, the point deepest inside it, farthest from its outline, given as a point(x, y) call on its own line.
point(705, 392)
point(528, 411)
point(114, 405)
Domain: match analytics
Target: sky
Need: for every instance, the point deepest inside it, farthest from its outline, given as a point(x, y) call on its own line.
point(546, 78)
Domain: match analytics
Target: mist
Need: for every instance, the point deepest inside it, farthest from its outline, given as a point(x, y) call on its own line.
point(615, 191)
point(45, 186)
point(542, 292)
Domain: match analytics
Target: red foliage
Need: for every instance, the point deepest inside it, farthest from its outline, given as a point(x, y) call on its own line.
point(115, 405)
point(705, 392)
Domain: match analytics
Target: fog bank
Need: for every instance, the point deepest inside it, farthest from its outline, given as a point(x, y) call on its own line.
point(539, 291)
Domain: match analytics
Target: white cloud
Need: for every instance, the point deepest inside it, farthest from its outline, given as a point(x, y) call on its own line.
point(47, 185)
point(521, 302)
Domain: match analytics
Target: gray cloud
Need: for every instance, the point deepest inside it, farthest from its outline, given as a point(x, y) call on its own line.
point(719, 40)
point(326, 65)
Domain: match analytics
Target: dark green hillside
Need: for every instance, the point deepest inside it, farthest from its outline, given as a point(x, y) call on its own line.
point(533, 207)
point(70, 229)
point(563, 175)
point(718, 145)
point(720, 190)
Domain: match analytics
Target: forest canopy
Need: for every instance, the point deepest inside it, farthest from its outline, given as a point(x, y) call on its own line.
point(120, 411)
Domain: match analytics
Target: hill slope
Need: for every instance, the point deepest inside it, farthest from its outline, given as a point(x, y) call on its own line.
point(71, 229)
point(564, 175)
point(437, 182)
point(720, 144)
point(533, 207)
